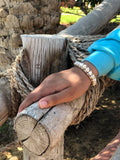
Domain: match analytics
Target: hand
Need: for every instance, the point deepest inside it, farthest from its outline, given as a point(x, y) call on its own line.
point(57, 88)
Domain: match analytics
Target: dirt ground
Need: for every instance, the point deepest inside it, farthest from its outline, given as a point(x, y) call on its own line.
point(83, 141)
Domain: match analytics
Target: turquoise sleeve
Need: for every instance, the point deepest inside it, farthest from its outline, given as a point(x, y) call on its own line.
point(101, 60)
point(105, 55)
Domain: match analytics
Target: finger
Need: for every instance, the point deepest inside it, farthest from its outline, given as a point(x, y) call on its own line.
point(34, 96)
point(49, 86)
point(37, 94)
point(55, 99)
point(30, 99)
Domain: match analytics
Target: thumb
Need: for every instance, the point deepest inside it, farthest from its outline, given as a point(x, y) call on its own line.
point(54, 99)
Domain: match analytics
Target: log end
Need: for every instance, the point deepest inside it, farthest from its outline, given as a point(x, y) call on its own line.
point(32, 134)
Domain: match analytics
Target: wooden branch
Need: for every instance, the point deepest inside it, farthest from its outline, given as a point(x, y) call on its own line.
point(95, 20)
point(44, 128)
point(5, 100)
point(45, 54)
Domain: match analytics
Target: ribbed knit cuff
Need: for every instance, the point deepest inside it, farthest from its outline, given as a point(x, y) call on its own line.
point(102, 61)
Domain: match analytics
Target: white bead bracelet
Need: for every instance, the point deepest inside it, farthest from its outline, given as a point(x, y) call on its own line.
point(87, 70)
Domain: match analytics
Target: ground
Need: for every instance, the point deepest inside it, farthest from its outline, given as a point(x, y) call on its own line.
point(82, 142)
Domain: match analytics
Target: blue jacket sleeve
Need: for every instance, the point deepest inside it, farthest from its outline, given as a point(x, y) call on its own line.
point(105, 55)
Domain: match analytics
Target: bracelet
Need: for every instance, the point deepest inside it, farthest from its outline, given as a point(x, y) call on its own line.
point(87, 70)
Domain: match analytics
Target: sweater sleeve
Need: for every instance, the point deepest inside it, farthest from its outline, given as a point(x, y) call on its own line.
point(105, 55)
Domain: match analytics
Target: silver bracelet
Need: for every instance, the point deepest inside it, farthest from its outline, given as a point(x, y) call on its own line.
point(87, 70)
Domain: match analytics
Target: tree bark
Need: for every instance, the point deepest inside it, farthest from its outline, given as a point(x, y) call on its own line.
point(95, 20)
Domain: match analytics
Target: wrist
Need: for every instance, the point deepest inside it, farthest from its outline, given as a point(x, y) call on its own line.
point(102, 61)
point(92, 68)
point(89, 70)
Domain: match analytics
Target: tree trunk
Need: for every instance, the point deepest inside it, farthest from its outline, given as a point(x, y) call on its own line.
point(95, 20)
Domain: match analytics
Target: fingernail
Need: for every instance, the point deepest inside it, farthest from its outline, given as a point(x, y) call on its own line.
point(43, 104)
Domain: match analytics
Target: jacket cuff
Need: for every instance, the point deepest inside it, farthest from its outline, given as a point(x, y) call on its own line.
point(103, 62)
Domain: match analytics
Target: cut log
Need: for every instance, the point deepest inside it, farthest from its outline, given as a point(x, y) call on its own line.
point(41, 130)
point(56, 153)
point(5, 100)
point(45, 54)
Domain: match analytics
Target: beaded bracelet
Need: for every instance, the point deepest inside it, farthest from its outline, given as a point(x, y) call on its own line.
point(87, 70)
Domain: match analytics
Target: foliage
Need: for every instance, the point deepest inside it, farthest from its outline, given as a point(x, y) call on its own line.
point(91, 2)
point(85, 5)
point(69, 19)
point(116, 19)
point(74, 10)
point(70, 16)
